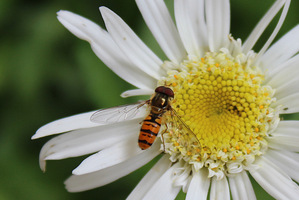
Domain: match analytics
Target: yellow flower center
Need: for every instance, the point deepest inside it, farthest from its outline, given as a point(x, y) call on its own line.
point(222, 101)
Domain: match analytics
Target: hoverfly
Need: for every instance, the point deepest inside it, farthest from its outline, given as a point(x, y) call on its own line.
point(160, 108)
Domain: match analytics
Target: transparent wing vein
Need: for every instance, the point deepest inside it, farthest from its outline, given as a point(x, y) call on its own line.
point(120, 113)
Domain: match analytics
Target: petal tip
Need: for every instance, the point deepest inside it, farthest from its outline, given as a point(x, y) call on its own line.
point(103, 8)
point(77, 171)
point(38, 133)
point(123, 95)
point(42, 165)
point(34, 137)
point(68, 183)
point(62, 12)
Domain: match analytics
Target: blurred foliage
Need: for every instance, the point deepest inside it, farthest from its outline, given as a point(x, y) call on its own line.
point(46, 73)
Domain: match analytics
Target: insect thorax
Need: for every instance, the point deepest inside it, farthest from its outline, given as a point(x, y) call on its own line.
point(160, 101)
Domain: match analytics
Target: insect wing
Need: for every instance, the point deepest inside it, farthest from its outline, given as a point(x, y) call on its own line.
point(181, 131)
point(119, 113)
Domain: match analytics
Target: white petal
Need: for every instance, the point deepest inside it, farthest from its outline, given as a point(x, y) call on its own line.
point(290, 104)
point(150, 178)
point(287, 141)
point(262, 25)
point(286, 136)
point(99, 178)
point(218, 25)
point(106, 49)
point(164, 188)
point(277, 28)
point(117, 153)
point(219, 189)
point(66, 124)
point(85, 141)
point(281, 51)
point(288, 88)
point(199, 186)
point(190, 20)
point(287, 125)
point(83, 120)
point(131, 45)
point(137, 92)
point(241, 187)
point(158, 19)
point(286, 81)
point(282, 73)
point(274, 180)
point(289, 161)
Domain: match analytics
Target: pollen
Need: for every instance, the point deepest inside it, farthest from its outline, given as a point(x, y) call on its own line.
point(223, 111)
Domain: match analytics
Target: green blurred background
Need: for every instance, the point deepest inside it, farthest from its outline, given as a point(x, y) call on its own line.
point(46, 73)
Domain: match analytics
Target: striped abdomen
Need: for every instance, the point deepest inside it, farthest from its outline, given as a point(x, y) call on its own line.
point(149, 130)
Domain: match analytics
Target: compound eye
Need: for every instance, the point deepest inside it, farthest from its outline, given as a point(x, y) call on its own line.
point(165, 90)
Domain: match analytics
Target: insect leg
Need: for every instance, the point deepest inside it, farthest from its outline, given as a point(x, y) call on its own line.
point(164, 131)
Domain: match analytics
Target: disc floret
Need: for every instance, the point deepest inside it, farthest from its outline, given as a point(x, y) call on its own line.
point(223, 101)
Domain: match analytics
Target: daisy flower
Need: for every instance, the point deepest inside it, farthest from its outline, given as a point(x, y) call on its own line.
point(227, 99)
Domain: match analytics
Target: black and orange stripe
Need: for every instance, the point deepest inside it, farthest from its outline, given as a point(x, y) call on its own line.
point(149, 130)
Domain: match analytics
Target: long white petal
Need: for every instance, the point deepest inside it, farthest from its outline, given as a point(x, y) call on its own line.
point(150, 178)
point(286, 71)
point(82, 121)
point(274, 180)
point(241, 187)
point(164, 188)
point(286, 140)
point(199, 186)
point(131, 45)
point(275, 31)
point(288, 126)
point(280, 52)
point(66, 124)
point(219, 189)
point(158, 19)
point(290, 87)
point(262, 25)
point(290, 103)
point(106, 49)
point(286, 136)
point(99, 178)
point(288, 161)
point(189, 15)
point(85, 141)
point(218, 25)
point(137, 92)
point(285, 82)
point(117, 153)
